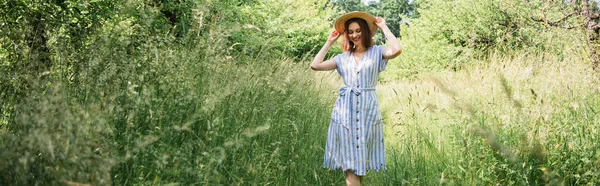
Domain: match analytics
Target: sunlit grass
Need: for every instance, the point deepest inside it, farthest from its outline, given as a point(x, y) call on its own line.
point(172, 119)
point(512, 121)
point(146, 111)
point(520, 121)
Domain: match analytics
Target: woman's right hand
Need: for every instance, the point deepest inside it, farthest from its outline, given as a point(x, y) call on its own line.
point(318, 63)
point(333, 36)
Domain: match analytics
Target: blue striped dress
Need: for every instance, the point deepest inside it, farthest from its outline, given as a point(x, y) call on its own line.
point(355, 135)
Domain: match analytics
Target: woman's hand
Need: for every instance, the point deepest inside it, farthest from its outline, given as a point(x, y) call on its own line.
point(394, 49)
point(318, 63)
point(333, 36)
point(380, 22)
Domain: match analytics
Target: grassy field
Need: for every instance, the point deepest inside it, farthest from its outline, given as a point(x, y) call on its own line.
point(520, 121)
point(223, 103)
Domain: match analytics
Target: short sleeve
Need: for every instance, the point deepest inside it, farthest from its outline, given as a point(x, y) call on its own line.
point(382, 62)
point(338, 63)
point(337, 59)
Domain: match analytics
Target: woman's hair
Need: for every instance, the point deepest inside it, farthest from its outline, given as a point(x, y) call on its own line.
point(366, 38)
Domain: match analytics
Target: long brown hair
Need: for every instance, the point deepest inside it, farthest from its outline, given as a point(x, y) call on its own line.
point(366, 38)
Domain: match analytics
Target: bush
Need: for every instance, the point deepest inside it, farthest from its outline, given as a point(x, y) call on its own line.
point(454, 34)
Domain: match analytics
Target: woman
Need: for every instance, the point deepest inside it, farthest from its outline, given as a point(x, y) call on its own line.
point(355, 136)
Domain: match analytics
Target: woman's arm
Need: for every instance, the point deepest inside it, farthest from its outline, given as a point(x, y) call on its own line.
point(317, 63)
point(394, 48)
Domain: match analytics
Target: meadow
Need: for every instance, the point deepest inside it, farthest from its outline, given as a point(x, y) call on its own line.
point(121, 95)
point(513, 121)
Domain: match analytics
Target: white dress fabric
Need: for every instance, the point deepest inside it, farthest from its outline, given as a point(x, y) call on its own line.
point(355, 135)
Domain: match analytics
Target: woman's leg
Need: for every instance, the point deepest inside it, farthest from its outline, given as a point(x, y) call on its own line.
point(352, 179)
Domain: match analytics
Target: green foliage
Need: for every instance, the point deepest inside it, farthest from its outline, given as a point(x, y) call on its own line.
point(394, 12)
point(349, 5)
point(142, 102)
point(32, 32)
point(478, 25)
point(279, 28)
point(451, 34)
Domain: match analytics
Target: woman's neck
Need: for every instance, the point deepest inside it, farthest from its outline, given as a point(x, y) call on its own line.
point(359, 49)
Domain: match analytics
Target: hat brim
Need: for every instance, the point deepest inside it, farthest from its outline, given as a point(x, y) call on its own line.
point(340, 22)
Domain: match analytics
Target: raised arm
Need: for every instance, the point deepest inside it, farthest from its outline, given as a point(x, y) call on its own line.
point(317, 63)
point(394, 48)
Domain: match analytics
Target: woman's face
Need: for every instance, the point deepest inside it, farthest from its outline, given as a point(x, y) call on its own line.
point(354, 33)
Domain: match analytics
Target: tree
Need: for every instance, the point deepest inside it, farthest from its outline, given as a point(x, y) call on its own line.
point(345, 6)
point(576, 14)
point(591, 15)
point(393, 11)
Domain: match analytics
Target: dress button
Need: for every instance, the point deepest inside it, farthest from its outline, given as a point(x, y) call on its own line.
point(357, 102)
point(357, 146)
point(357, 86)
point(357, 72)
point(356, 128)
point(357, 111)
point(356, 137)
point(356, 120)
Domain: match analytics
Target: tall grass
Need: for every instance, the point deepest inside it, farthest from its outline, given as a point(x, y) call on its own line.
point(149, 108)
point(176, 115)
point(151, 111)
point(528, 120)
point(173, 116)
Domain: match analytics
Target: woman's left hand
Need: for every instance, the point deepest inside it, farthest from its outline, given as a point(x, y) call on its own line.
point(379, 22)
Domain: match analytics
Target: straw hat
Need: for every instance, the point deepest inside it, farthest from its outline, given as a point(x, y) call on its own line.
point(340, 23)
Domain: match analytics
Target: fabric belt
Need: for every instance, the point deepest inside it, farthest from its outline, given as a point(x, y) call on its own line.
point(346, 114)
